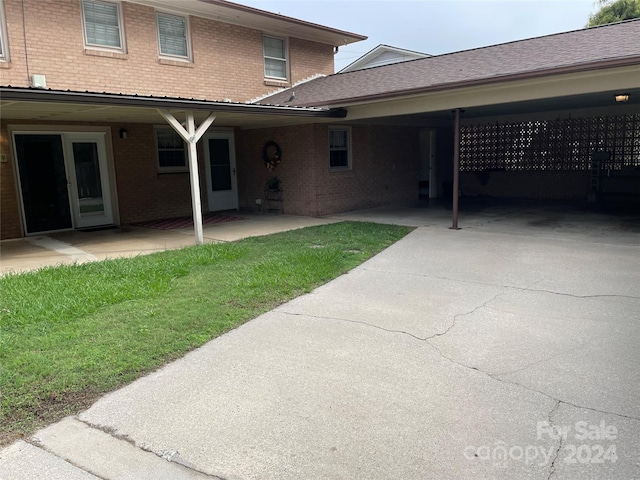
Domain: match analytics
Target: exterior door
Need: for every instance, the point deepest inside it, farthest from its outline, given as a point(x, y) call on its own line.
point(43, 182)
point(64, 182)
point(88, 179)
point(220, 158)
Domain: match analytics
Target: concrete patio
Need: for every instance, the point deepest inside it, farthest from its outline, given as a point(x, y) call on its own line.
point(531, 218)
point(39, 251)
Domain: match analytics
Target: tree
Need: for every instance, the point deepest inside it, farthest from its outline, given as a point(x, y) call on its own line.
point(614, 11)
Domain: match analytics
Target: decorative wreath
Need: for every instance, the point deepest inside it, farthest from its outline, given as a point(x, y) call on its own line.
point(271, 154)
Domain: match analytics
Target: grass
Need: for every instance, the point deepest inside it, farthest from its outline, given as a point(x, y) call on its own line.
point(71, 333)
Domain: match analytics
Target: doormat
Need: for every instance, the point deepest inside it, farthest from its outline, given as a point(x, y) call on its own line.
point(184, 222)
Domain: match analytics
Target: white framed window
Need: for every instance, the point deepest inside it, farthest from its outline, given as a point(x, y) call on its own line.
point(103, 24)
point(339, 148)
point(171, 150)
point(4, 46)
point(275, 57)
point(173, 36)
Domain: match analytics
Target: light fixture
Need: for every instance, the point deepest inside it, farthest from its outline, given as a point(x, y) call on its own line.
point(123, 134)
point(622, 97)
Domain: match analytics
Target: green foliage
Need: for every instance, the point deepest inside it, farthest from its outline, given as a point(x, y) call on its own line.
point(615, 11)
point(71, 333)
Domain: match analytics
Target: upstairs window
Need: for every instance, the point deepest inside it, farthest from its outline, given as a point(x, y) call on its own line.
point(102, 24)
point(275, 57)
point(173, 35)
point(171, 150)
point(339, 147)
point(4, 54)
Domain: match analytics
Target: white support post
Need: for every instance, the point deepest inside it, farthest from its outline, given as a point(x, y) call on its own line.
point(191, 136)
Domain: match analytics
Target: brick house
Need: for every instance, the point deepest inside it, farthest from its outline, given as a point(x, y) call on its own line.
point(101, 100)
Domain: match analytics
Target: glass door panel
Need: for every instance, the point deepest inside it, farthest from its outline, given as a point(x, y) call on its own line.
point(220, 164)
point(88, 184)
point(43, 182)
point(86, 163)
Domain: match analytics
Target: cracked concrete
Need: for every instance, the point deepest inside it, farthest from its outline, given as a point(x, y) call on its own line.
point(449, 355)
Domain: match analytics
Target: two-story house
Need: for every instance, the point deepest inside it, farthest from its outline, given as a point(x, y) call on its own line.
point(106, 155)
point(115, 112)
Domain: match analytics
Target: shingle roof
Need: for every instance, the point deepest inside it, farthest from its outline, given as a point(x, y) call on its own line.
point(576, 50)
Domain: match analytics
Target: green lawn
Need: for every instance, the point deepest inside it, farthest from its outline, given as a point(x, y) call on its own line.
point(71, 333)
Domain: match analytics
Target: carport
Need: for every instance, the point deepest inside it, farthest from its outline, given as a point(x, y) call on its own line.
point(523, 119)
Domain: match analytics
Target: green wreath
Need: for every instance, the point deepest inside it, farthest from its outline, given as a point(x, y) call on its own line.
point(271, 155)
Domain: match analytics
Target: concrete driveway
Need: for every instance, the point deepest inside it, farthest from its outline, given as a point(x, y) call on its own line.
point(491, 352)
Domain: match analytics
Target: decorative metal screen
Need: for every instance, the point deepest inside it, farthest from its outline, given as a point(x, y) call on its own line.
point(563, 144)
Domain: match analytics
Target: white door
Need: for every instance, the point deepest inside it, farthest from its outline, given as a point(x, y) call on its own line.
point(88, 179)
point(220, 166)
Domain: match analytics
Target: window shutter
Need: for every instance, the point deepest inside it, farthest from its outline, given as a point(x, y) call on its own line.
point(172, 31)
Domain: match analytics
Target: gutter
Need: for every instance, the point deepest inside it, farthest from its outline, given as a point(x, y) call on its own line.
point(26, 94)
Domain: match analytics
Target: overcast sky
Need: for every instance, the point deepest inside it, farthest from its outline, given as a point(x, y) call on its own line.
point(434, 26)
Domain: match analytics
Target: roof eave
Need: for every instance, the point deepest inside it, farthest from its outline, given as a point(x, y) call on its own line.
point(590, 66)
point(94, 98)
point(250, 17)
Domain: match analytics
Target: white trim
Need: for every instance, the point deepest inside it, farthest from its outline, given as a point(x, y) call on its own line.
point(4, 38)
point(93, 46)
point(365, 61)
point(189, 56)
point(285, 43)
point(99, 138)
point(343, 128)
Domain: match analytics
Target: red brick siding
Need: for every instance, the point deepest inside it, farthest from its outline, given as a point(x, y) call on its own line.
point(385, 168)
point(10, 222)
point(227, 59)
point(296, 170)
point(385, 171)
point(143, 193)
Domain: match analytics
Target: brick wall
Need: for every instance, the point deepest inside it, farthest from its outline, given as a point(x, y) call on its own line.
point(10, 223)
point(143, 193)
point(227, 59)
point(385, 168)
point(385, 171)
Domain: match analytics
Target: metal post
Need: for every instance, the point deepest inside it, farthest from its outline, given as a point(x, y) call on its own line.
point(456, 168)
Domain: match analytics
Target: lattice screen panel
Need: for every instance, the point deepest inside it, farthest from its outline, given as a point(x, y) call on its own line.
point(564, 144)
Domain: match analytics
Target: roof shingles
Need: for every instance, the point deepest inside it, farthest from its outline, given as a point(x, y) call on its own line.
point(537, 55)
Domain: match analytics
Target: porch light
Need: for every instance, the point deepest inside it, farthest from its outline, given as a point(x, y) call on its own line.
point(123, 134)
point(622, 97)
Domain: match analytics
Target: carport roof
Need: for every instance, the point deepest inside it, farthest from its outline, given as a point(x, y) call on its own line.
point(607, 46)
